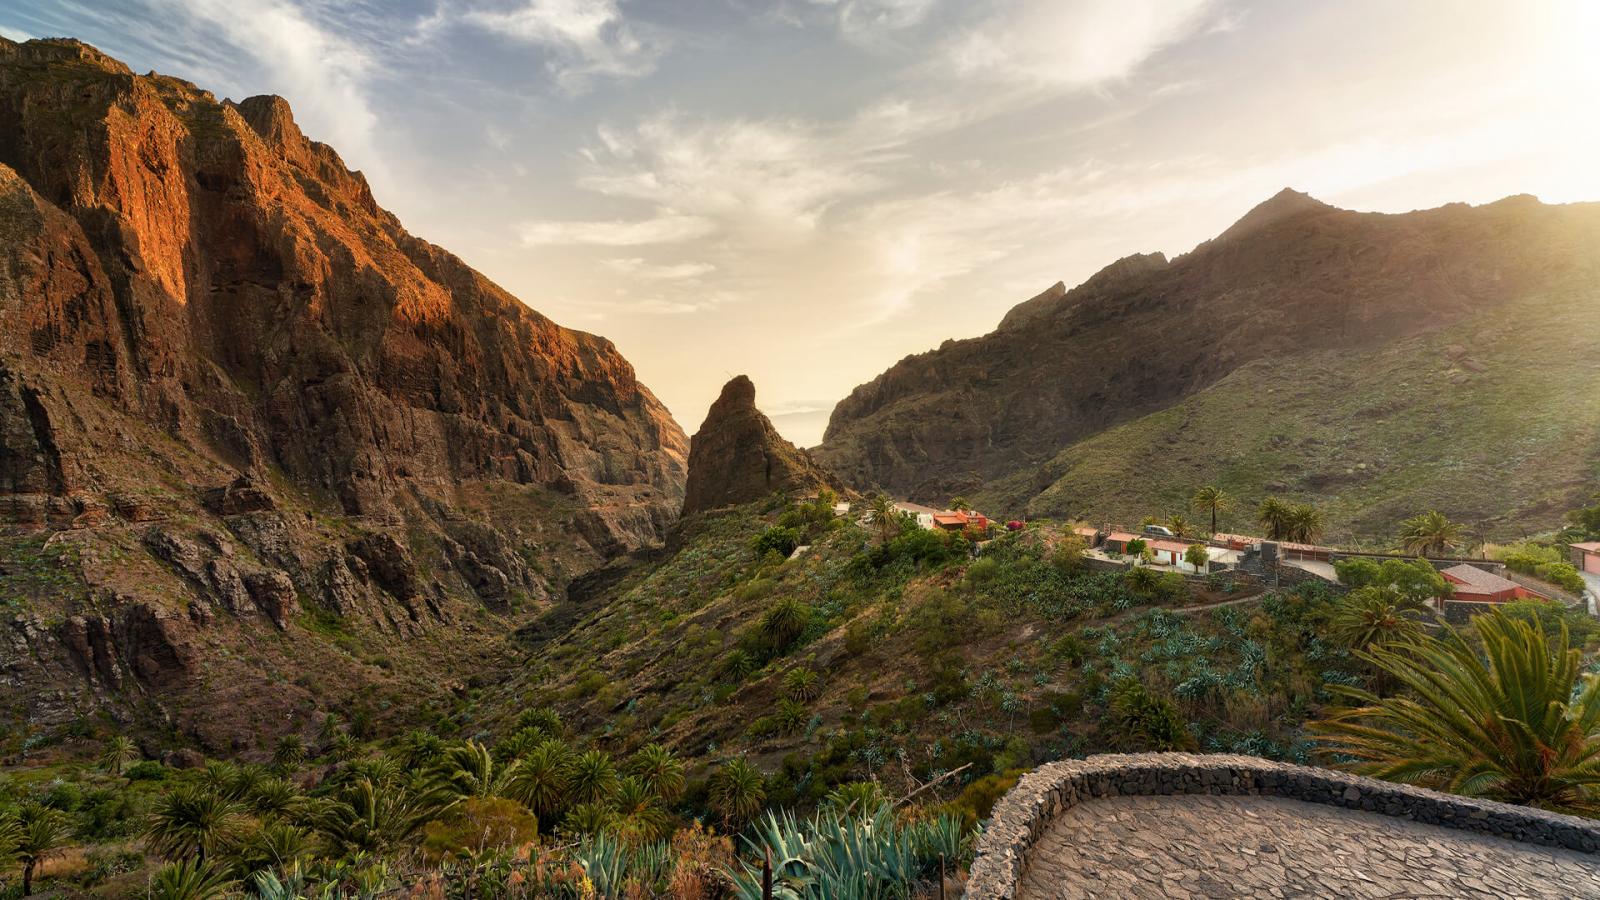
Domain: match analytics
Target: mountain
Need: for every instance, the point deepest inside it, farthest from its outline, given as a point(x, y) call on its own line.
point(737, 456)
point(1372, 364)
point(263, 452)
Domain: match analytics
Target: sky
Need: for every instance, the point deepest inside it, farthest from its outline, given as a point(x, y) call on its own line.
point(806, 191)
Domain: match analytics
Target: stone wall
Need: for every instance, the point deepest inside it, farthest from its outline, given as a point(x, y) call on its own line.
point(1022, 815)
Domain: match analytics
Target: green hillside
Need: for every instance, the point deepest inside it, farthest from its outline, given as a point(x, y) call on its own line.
point(1494, 421)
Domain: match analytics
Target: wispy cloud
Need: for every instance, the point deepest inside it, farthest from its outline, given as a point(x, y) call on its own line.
point(14, 34)
point(637, 267)
point(582, 39)
point(665, 227)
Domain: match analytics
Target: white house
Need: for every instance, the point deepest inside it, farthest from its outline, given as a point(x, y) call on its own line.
point(924, 514)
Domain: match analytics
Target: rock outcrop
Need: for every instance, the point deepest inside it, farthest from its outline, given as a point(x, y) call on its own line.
point(737, 456)
point(209, 327)
point(1293, 277)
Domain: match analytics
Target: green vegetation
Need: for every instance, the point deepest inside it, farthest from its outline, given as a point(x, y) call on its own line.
point(1513, 719)
point(1543, 562)
point(1280, 521)
point(1431, 534)
point(1213, 501)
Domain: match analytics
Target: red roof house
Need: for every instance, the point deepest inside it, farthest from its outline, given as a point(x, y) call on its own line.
point(1473, 585)
point(1586, 556)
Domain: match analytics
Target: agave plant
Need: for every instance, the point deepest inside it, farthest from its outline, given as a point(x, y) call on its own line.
point(1519, 723)
point(837, 855)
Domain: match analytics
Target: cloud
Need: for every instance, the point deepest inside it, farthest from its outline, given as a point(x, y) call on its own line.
point(870, 21)
point(1074, 44)
point(665, 227)
point(583, 38)
point(637, 268)
point(323, 75)
point(15, 34)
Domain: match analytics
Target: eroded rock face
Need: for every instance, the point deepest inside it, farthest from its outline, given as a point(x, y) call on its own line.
point(241, 380)
point(737, 456)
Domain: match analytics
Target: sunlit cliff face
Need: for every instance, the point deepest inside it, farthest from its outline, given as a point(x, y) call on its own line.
point(808, 190)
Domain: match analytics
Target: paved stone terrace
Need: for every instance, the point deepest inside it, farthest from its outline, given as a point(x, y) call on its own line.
point(1254, 846)
point(1326, 827)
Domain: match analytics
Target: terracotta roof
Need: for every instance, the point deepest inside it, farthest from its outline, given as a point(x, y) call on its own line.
point(1159, 544)
point(916, 508)
point(1587, 546)
point(1123, 536)
point(1480, 581)
point(1282, 545)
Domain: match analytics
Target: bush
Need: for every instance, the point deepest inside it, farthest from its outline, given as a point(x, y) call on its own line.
point(1141, 721)
point(1416, 579)
point(146, 770)
point(1068, 556)
point(983, 572)
point(777, 539)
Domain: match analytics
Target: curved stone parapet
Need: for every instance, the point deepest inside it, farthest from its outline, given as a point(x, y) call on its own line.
point(1023, 815)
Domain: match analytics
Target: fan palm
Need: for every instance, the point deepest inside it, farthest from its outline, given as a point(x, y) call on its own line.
point(470, 770)
point(1304, 523)
point(1211, 499)
point(1380, 614)
point(40, 831)
point(119, 751)
point(886, 516)
point(1273, 515)
point(659, 769)
point(186, 880)
point(1431, 534)
point(593, 778)
point(1519, 723)
point(191, 821)
point(738, 791)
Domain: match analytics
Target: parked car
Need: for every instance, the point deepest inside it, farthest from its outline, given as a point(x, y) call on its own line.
point(1159, 531)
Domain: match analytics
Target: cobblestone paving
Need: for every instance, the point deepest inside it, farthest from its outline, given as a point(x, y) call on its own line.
point(1249, 846)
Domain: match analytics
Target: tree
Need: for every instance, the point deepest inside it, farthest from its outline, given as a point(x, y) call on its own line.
point(1518, 722)
point(960, 503)
point(1431, 534)
point(1136, 548)
point(377, 817)
point(540, 779)
point(1304, 524)
point(659, 769)
point(1376, 615)
point(802, 684)
point(738, 791)
point(190, 880)
point(1273, 515)
point(119, 751)
point(1179, 526)
point(1068, 555)
point(470, 770)
point(1197, 556)
point(1212, 500)
point(1144, 721)
point(289, 753)
point(593, 778)
point(886, 516)
point(1415, 579)
point(784, 622)
point(190, 822)
point(40, 831)
point(639, 811)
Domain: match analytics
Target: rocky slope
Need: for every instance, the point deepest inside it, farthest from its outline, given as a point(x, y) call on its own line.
point(261, 450)
point(737, 456)
point(1294, 281)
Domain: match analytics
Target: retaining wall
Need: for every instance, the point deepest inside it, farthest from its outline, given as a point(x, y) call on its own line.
point(1023, 814)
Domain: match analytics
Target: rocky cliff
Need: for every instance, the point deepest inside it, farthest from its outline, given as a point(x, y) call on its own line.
point(237, 398)
point(1295, 279)
point(737, 456)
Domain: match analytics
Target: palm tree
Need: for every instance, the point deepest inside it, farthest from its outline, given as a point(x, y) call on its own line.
point(960, 503)
point(1373, 616)
point(738, 791)
point(801, 684)
point(1304, 524)
point(1211, 499)
point(378, 818)
point(1431, 534)
point(273, 797)
point(785, 621)
point(290, 753)
point(659, 769)
point(1518, 723)
point(191, 821)
point(639, 810)
point(185, 880)
point(539, 780)
point(119, 751)
point(1179, 526)
point(40, 831)
point(470, 770)
point(593, 778)
point(1273, 514)
point(886, 516)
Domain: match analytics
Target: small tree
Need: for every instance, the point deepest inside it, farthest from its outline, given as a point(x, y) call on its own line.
point(1197, 556)
point(1137, 548)
point(1211, 500)
point(40, 832)
point(1431, 534)
point(1068, 556)
point(738, 791)
point(119, 751)
point(886, 517)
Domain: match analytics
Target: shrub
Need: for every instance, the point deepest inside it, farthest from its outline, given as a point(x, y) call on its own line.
point(983, 572)
point(777, 539)
point(146, 770)
point(783, 623)
point(802, 684)
point(1141, 721)
point(1068, 556)
point(478, 824)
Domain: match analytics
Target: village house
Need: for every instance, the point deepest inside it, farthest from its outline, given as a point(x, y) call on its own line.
point(923, 514)
point(1471, 584)
point(959, 520)
point(1586, 557)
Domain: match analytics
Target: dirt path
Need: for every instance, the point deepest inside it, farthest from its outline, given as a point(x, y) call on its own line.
point(1181, 610)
